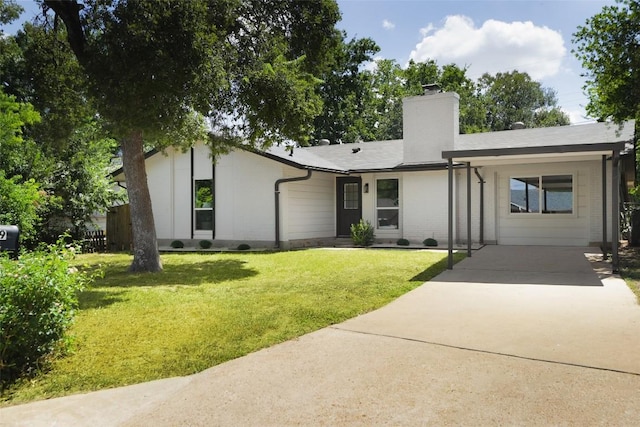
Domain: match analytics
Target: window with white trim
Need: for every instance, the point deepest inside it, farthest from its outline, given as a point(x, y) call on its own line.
point(542, 194)
point(387, 204)
point(203, 204)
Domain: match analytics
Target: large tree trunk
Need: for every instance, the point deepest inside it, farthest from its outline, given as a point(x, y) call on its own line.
point(145, 248)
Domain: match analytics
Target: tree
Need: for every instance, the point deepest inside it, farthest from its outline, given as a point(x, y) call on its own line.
point(9, 11)
point(609, 47)
point(514, 97)
point(20, 198)
point(68, 151)
point(345, 91)
point(156, 69)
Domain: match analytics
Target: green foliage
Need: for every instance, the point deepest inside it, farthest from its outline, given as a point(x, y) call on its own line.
point(157, 69)
point(177, 244)
point(371, 100)
point(243, 247)
point(430, 242)
point(19, 202)
point(9, 11)
point(607, 45)
point(362, 233)
point(205, 244)
point(64, 149)
point(403, 242)
point(346, 91)
point(38, 300)
point(514, 97)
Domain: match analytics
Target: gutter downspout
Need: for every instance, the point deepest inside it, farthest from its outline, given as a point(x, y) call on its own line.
point(482, 182)
point(277, 199)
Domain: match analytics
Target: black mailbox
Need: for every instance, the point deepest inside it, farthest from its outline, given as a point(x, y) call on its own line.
point(10, 238)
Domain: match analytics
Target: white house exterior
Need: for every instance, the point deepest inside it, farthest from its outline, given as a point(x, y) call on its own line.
point(527, 187)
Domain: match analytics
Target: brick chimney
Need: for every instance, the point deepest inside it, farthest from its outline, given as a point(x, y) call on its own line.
point(430, 125)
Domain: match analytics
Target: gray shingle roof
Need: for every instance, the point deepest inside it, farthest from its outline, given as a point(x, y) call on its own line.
point(558, 136)
point(388, 155)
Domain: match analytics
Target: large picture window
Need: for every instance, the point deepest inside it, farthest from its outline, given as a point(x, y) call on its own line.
point(544, 194)
point(203, 204)
point(387, 203)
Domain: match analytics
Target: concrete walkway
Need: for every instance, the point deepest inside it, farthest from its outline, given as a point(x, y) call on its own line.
point(513, 335)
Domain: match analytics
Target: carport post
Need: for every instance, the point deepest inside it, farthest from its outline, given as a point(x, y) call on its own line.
point(604, 207)
point(469, 209)
point(450, 214)
point(615, 211)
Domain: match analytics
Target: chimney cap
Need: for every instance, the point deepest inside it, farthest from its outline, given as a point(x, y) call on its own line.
point(431, 88)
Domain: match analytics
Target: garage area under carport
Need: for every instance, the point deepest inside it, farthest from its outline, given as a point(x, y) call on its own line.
point(550, 186)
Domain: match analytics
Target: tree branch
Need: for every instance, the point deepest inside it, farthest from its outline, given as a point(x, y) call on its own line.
point(69, 12)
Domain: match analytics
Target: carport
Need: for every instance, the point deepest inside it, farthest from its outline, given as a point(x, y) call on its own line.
point(601, 165)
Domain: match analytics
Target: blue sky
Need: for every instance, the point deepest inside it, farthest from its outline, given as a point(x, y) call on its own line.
point(486, 36)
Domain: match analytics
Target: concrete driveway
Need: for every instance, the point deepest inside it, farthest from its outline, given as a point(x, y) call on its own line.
point(511, 336)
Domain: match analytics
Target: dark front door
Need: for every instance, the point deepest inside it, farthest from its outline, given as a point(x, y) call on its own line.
point(349, 204)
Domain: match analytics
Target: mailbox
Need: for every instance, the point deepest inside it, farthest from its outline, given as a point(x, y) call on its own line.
point(10, 238)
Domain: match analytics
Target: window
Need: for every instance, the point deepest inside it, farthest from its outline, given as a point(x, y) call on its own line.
point(203, 204)
point(546, 194)
point(351, 195)
point(387, 207)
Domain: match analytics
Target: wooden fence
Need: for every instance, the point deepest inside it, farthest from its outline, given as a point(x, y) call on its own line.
point(119, 237)
point(94, 241)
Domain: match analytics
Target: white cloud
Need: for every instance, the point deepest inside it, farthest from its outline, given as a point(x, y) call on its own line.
point(388, 25)
point(495, 47)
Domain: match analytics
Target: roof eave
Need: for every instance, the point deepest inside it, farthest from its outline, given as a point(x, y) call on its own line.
point(548, 149)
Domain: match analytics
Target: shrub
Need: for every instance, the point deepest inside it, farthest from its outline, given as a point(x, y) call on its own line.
point(177, 244)
point(38, 299)
point(430, 242)
point(362, 233)
point(403, 242)
point(205, 244)
point(243, 247)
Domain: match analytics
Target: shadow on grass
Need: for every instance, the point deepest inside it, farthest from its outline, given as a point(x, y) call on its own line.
point(435, 269)
point(188, 274)
point(91, 299)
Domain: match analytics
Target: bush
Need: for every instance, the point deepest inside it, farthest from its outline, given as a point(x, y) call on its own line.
point(205, 244)
point(38, 299)
point(243, 247)
point(362, 233)
point(403, 242)
point(177, 244)
point(430, 242)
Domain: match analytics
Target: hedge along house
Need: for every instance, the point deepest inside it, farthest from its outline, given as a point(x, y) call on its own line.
point(525, 187)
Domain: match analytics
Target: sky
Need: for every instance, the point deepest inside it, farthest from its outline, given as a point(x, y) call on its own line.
point(485, 36)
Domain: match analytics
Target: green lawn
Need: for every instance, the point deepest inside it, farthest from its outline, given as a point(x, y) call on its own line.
point(630, 268)
point(205, 309)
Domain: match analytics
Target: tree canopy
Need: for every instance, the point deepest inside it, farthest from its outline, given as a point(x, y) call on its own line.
point(367, 105)
point(165, 72)
point(609, 47)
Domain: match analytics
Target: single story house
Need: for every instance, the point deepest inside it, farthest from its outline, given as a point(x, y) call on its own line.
point(543, 186)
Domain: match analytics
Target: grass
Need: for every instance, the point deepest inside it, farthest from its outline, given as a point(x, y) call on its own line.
point(205, 309)
point(630, 268)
